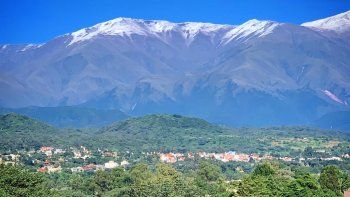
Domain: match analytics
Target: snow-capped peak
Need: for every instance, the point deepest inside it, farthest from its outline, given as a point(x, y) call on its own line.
point(339, 23)
point(30, 46)
point(250, 28)
point(129, 26)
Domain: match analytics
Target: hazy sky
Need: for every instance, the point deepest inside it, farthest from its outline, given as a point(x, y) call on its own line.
point(37, 21)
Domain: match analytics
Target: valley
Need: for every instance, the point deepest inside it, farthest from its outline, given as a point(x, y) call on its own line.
point(179, 144)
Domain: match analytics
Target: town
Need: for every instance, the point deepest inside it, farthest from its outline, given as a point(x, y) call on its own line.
point(48, 159)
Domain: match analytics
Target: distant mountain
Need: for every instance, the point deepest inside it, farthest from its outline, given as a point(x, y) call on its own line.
point(339, 120)
point(257, 73)
point(70, 116)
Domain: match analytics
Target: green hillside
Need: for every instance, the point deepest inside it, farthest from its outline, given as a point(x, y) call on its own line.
point(179, 133)
point(166, 132)
point(169, 133)
point(18, 132)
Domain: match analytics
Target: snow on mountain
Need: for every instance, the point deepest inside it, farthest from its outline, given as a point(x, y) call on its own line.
point(4, 46)
point(260, 72)
point(334, 97)
point(250, 28)
point(339, 23)
point(30, 46)
point(128, 26)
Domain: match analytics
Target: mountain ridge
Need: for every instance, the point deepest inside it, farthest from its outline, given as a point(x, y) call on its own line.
point(259, 66)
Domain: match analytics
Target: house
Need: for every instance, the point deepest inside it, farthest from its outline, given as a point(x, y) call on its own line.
point(190, 155)
point(332, 159)
point(42, 170)
point(59, 151)
point(346, 155)
point(53, 169)
point(255, 157)
point(48, 153)
point(14, 157)
point(9, 163)
point(242, 158)
point(76, 169)
point(85, 157)
point(218, 156)
point(109, 154)
point(287, 159)
point(89, 168)
point(77, 154)
point(124, 163)
point(168, 158)
point(181, 158)
point(202, 154)
point(111, 165)
point(46, 148)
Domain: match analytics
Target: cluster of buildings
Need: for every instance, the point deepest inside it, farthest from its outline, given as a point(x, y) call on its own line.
point(232, 156)
point(171, 157)
point(94, 167)
point(50, 160)
point(224, 157)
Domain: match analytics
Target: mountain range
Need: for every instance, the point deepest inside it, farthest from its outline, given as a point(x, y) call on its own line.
point(257, 73)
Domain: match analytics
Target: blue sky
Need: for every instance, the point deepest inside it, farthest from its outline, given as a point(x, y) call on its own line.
point(37, 21)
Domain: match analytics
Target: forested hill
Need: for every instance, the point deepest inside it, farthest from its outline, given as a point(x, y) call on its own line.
point(14, 123)
point(18, 132)
point(167, 133)
point(157, 124)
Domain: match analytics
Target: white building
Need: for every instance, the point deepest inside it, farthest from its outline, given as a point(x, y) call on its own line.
point(111, 165)
point(124, 163)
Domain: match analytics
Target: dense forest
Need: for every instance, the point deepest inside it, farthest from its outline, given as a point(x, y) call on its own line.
point(163, 180)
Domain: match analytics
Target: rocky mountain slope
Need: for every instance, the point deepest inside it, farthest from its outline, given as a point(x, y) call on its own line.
point(256, 73)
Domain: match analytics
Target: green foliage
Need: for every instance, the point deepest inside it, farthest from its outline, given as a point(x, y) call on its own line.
point(333, 179)
point(209, 172)
point(264, 169)
point(164, 180)
point(21, 132)
point(19, 182)
point(303, 185)
point(263, 182)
